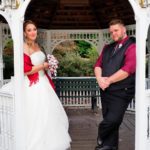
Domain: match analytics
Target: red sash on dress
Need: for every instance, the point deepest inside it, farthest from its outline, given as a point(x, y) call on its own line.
point(34, 78)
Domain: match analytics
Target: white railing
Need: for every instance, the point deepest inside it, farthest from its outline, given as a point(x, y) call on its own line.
point(6, 121)
point(79, 99)
point(148, 117)
point(49, 39)
point(106, 38)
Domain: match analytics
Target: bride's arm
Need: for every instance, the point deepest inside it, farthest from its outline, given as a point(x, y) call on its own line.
point(29, 68)
point(37, 68)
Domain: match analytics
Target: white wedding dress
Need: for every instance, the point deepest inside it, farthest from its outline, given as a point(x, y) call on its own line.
point(46, 121)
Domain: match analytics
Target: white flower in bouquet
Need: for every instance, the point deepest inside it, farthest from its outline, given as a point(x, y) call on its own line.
point(53, 64)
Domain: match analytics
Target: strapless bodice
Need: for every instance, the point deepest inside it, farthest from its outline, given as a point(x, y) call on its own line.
point(38, 58)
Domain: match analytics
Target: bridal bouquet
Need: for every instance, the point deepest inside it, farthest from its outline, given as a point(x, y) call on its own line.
point(53, 64)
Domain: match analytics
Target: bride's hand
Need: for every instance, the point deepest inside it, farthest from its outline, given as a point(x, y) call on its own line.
point(46, 65)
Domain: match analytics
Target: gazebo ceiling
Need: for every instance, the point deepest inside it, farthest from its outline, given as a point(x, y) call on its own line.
point(78, 14)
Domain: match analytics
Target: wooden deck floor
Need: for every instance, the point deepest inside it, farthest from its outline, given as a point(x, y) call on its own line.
point(84, 125)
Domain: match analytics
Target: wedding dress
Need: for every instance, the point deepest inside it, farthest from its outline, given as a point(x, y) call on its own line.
point(46, 121)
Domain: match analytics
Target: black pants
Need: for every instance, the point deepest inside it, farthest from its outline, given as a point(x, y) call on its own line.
point(114, 105)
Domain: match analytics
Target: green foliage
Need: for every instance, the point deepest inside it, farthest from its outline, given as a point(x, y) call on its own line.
point(69, 64)
point(74, 60)
point(8, 66)
point(73, 64)
point(8, 59)
point(83, 48)
point(9, 44)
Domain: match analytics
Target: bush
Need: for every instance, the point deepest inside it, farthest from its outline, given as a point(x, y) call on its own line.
point(8, 59)
point(8, 66)
point(83, 48)
point(72, 64)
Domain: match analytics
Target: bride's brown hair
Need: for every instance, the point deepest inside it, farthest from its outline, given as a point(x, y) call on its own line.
point(28, 22)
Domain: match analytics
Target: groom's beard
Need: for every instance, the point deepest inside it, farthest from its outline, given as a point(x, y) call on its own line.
point(121, 37)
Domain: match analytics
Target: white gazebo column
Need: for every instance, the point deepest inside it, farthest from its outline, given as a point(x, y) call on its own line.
point(18, 80)
point(17, 35)
point(100, 43)
point(141, 103)
point(15, 18)
point(142, 23)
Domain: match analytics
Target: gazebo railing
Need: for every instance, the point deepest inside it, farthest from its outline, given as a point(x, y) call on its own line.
point(72, 91)
point(80, 92)
point(6, 121)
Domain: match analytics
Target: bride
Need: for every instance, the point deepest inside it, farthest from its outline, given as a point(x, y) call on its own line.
point(46, 121)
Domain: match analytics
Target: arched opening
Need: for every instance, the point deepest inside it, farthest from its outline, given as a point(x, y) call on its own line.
point(8, 59)
point(148, 59)
point(76, 58)
point(6, 72)
point(38, 15)
point(7, 56)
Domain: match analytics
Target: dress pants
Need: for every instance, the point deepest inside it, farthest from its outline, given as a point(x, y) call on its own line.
point(114, 105)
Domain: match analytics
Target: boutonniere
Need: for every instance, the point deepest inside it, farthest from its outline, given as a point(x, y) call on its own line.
point(120, 45)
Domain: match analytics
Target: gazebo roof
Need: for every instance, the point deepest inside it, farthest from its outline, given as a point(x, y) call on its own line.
point(78, 14)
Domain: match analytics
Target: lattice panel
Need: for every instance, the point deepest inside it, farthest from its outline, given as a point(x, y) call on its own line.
point(106, 35)
point(6, 122)
point(55, 37)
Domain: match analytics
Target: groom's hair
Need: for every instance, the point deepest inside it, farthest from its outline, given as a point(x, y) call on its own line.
point(116, 21)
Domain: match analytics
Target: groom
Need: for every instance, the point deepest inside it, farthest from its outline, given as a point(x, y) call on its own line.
point(115, 74)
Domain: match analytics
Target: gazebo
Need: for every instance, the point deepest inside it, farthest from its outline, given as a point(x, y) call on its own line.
point(14, 12)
